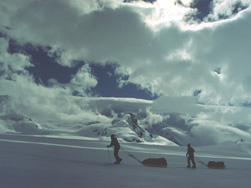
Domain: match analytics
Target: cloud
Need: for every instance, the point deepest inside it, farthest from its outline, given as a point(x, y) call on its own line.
point(226, 9)
point(180, 105)
point(43, 104)
point(191, 64)
point(152, 43)
point(86, 7)
point(12, 65)
point(154, 46)
point(37, 101)
point(83, 80)
point(56, 102)
point(212, 132)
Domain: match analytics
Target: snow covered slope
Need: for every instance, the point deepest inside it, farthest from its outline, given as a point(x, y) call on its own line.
point(101, 117)
point(123, 125)
point(14, 122)
point(28, 161)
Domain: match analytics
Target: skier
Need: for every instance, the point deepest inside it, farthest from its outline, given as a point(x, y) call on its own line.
point(190, 156)
point(115, 143)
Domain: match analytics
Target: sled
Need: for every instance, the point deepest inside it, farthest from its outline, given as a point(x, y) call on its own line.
point(152, 162)
point(216, 165)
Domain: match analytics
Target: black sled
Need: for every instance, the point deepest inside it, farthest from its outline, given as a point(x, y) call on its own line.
point(216, 165)
point(152, 162)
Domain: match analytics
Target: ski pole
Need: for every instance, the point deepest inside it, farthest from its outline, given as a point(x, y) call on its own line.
point(109, 155)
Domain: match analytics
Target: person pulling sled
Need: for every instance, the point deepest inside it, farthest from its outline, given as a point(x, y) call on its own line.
point(190, 156)
point(115, 143)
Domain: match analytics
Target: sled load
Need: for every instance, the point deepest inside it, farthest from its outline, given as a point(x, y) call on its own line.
point(216, 165)
point(152, 162)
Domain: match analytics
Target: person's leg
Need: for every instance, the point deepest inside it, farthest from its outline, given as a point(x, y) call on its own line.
point(192, 159)
point(188, 162)
point(116, 155)
point(120, 159)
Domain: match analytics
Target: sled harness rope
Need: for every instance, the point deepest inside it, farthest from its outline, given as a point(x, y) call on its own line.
point(201, 162)
point(131, 155)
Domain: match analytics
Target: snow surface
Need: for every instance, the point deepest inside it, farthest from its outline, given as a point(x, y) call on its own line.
point(44, 162)
point(68, 150)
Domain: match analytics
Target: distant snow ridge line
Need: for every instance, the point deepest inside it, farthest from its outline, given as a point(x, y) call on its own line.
point(16, 123)
point(12, 122)
point(244, 145)
point(172, 127)
point(125, 127)
point(183, 129)
point(134, 126)
point(131, 121)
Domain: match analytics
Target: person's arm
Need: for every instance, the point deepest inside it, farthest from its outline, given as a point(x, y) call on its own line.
point(111, 144)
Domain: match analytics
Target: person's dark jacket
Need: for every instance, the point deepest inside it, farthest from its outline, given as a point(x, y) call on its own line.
point(190, 152)
point(115, 143)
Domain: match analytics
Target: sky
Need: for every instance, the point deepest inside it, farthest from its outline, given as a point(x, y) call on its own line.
point(172, 52)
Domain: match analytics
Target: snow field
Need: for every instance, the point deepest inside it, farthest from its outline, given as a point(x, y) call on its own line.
point(39, 162)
